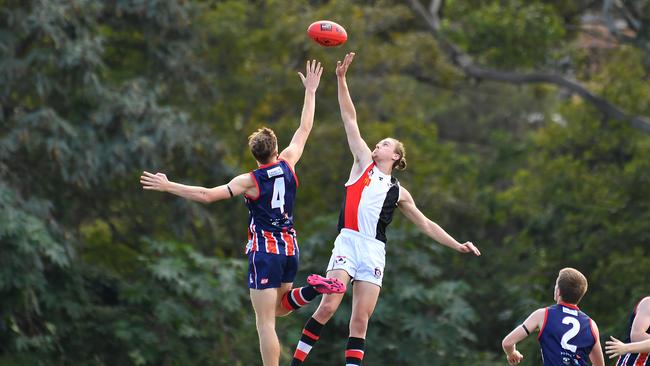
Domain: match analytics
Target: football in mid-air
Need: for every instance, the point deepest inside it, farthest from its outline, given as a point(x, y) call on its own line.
point(327, 33)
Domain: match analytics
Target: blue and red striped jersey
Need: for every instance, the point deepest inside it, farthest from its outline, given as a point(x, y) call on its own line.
point(567, 336)
point(270, 222)
point(633, 359)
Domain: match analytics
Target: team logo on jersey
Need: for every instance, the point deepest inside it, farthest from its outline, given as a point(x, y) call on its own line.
point(340, 260)
point(366, 181)
point(274, 172)
point(264, 281)
point(377, 272)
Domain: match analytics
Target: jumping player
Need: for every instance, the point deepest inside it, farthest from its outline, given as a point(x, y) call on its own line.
point(567, 336)
point(371, 196)
point(638, 331)
point(272, 248)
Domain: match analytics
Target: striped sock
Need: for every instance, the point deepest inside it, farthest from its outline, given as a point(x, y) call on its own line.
point(310, 335)
point(298, 297)
point(354, 351)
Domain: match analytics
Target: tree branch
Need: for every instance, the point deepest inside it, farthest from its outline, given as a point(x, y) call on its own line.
point(465, 63)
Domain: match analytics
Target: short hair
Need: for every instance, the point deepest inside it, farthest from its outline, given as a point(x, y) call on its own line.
point(399, 164)
point(263, 144)
point(572, 285)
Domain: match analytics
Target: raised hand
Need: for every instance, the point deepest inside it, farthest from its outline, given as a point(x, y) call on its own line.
point(313, 71)
point(156, 182)
point(342, 67)
point(469, 247)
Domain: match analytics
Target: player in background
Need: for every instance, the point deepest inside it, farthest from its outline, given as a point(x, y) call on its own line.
point(371, 196)
point(638, 332)
point(272, 247)
point(567, 336)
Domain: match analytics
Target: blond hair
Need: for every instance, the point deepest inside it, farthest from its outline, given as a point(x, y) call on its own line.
point(572, 285)
point(399, 164)
point(263, 144)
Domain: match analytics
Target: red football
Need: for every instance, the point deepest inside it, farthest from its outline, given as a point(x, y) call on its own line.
point(327, 33)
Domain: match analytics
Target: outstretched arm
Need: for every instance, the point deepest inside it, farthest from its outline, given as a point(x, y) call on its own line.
point(293, 152)
point(534, 322)
point(433, 230)
point(615, 348)
point(358, 147)
point(238, 185)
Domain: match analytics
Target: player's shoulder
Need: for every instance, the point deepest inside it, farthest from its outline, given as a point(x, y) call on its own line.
point(644, 305)
point(246, 179)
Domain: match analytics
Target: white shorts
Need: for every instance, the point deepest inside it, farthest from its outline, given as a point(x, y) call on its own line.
point(362, 257)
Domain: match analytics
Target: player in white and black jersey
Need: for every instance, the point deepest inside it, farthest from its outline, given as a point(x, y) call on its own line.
point(371, 196)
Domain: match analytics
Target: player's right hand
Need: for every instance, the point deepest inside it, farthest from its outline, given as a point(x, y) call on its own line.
point(515, 358)
point(342, 67)
point(615, 348)
point(156, 182)
point(313, 71)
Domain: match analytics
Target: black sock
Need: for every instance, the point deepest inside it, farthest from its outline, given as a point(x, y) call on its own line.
point(310, 335)
point(354, 351)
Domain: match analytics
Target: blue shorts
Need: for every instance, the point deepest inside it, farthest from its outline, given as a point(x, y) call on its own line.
point(268, 270)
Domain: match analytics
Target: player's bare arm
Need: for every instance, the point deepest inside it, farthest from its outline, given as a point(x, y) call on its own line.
point(533, 323)
point(596, 355)
point(641, 322)
point(615, 348)
point(358, 147)
point(407, 205)
point(239, 185)
point(310, 80)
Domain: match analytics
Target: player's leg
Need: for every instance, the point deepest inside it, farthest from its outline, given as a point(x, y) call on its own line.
point(364, 300)
point(265, 277)
point(330, 302)
point(294, 299)
point(365, 292)
point(283, 291)
point(264, 303)
point(312, 330)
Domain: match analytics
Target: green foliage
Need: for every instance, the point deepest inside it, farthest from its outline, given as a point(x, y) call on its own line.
point(510, 34)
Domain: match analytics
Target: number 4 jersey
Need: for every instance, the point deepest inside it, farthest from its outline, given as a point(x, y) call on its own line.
point(270, 222)
point(566, 337)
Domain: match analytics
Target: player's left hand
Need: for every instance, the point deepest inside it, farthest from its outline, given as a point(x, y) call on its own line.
point(615, 348)
point(469, 247)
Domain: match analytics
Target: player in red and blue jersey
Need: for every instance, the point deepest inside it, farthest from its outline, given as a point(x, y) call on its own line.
point(567, 336)
point(272, 248)
point(638, 332)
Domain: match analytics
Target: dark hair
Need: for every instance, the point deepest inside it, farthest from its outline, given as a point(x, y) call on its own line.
point(263, 144)
point(399, 150)
point(572, 285)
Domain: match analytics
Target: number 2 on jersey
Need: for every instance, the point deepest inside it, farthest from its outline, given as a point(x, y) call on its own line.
point(575, 328)
point(278, 194)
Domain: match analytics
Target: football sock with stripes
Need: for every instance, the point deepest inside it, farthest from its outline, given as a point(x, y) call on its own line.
point(310, 335)
point(298, 297)
point(354, 351)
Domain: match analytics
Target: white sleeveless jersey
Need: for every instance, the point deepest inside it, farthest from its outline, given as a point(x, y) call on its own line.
point(369, 203)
